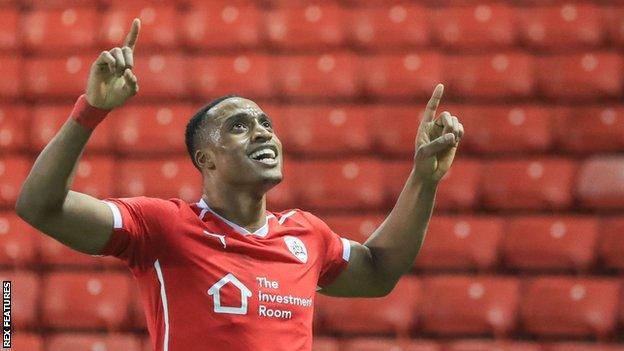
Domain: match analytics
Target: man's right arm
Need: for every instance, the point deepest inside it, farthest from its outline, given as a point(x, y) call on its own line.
point(77, 220)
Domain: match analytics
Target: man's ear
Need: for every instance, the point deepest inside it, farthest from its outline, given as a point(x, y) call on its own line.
point(204, 159)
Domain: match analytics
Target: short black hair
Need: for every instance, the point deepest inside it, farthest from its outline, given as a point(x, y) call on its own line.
point(196, 122)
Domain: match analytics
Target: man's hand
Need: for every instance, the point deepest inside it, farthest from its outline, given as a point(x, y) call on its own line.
point(436, 141)
point(111, 80)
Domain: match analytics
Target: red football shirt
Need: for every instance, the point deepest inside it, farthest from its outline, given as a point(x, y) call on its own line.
point(209, 284)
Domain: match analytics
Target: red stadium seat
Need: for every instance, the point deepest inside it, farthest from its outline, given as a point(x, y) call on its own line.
point(25, 297)
point(550, 243)
point(163, 178)
point(161, 75)
point(458, 189)
point(13, 172)
point(60, 30)
point(159, 23)
point(461, 242)
point(327, 75)
point(589, 74)
point(539, 183)
point(221, 25)
point(104, 300)
point(88, 341)
point(14, 123)
point(378, 344)
point(58, 256)
point(95, 176)
point(474, 27)
point(151, 129)
point(600, 183)
point(325, 344)
point(407, 76)
point(55, 4)
point(327, 129)
point(389, 27)
point(56, 77)
point(48, 120)
point(137, 313)
point(508, 129)
point(26, 342)
point(284, 195)
point(611, 247)
point(489, 345)
point(211, 76)
point(562, 306)
point(395, 128)
point(18, 241)
point(9, 32)
point(315, 26)
point(493, 75)
point(393, 314)
point(585, 133)
point(613, 18)
point(582, 346)
point(469, 305)
point(12, 72)
point(561, 26)
point(350, 183)
point(354, 227)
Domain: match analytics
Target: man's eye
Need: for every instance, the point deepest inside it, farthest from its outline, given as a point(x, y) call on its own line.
point(238, 126)
point(267, 124)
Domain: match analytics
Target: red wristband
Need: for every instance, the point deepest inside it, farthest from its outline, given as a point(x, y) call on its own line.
point(87, 115)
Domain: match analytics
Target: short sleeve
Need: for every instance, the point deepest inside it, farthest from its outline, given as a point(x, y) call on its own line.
point(138, 227)
point(335, 257)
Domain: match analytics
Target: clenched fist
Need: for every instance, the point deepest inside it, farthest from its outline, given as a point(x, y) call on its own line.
point(111, 80)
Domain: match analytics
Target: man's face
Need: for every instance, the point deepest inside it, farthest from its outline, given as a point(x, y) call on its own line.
point(241, 144)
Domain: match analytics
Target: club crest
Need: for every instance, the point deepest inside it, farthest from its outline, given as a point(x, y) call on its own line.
point(297, 248)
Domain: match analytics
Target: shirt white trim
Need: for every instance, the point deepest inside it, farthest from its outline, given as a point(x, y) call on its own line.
point(285, 217)
point(163, 297)
point(262, 231)
point(117, 219)
point(346, 249)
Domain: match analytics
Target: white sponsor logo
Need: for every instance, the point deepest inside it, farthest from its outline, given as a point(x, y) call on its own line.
point(220, 237)
point(296, 246)
point(215, 292)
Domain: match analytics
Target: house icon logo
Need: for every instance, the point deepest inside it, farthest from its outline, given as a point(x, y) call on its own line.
point(214, 291)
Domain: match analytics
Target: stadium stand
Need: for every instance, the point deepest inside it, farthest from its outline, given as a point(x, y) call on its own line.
point(525, 250)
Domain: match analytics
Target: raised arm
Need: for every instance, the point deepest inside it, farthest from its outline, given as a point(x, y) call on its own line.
point(376, 266)
point(45, 201)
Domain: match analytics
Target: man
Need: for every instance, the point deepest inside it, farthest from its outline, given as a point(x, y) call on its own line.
point(224, 273)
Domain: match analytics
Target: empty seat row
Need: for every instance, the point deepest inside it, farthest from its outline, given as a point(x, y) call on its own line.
point(443, 305)
point(479, 306)
point(76, 341)
point(537, 243)
point(226, 25)
point(385, 344)
point(333, 129)
point(334, 75)
point(132, 342)
point(543, 183)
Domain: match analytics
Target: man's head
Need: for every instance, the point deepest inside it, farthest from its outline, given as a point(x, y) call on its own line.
point(232, 140)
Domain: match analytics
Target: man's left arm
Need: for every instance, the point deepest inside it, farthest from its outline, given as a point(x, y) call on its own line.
point(375, 267)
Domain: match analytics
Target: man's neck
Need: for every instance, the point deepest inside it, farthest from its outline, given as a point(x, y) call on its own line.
point(246, 209)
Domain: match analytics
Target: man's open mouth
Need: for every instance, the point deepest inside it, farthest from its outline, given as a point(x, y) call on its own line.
point(265, 155)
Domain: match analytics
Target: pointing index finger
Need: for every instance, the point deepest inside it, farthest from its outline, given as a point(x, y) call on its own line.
point(132, 36)
point(433, 103)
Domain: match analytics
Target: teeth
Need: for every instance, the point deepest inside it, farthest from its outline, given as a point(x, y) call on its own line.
point(264, 152)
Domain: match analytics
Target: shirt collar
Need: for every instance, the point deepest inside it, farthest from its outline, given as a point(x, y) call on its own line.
point(261, 232)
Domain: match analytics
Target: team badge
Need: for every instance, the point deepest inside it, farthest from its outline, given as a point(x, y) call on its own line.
point(296, 246)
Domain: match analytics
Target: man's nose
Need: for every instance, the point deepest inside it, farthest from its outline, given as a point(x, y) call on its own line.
point(260, 132)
